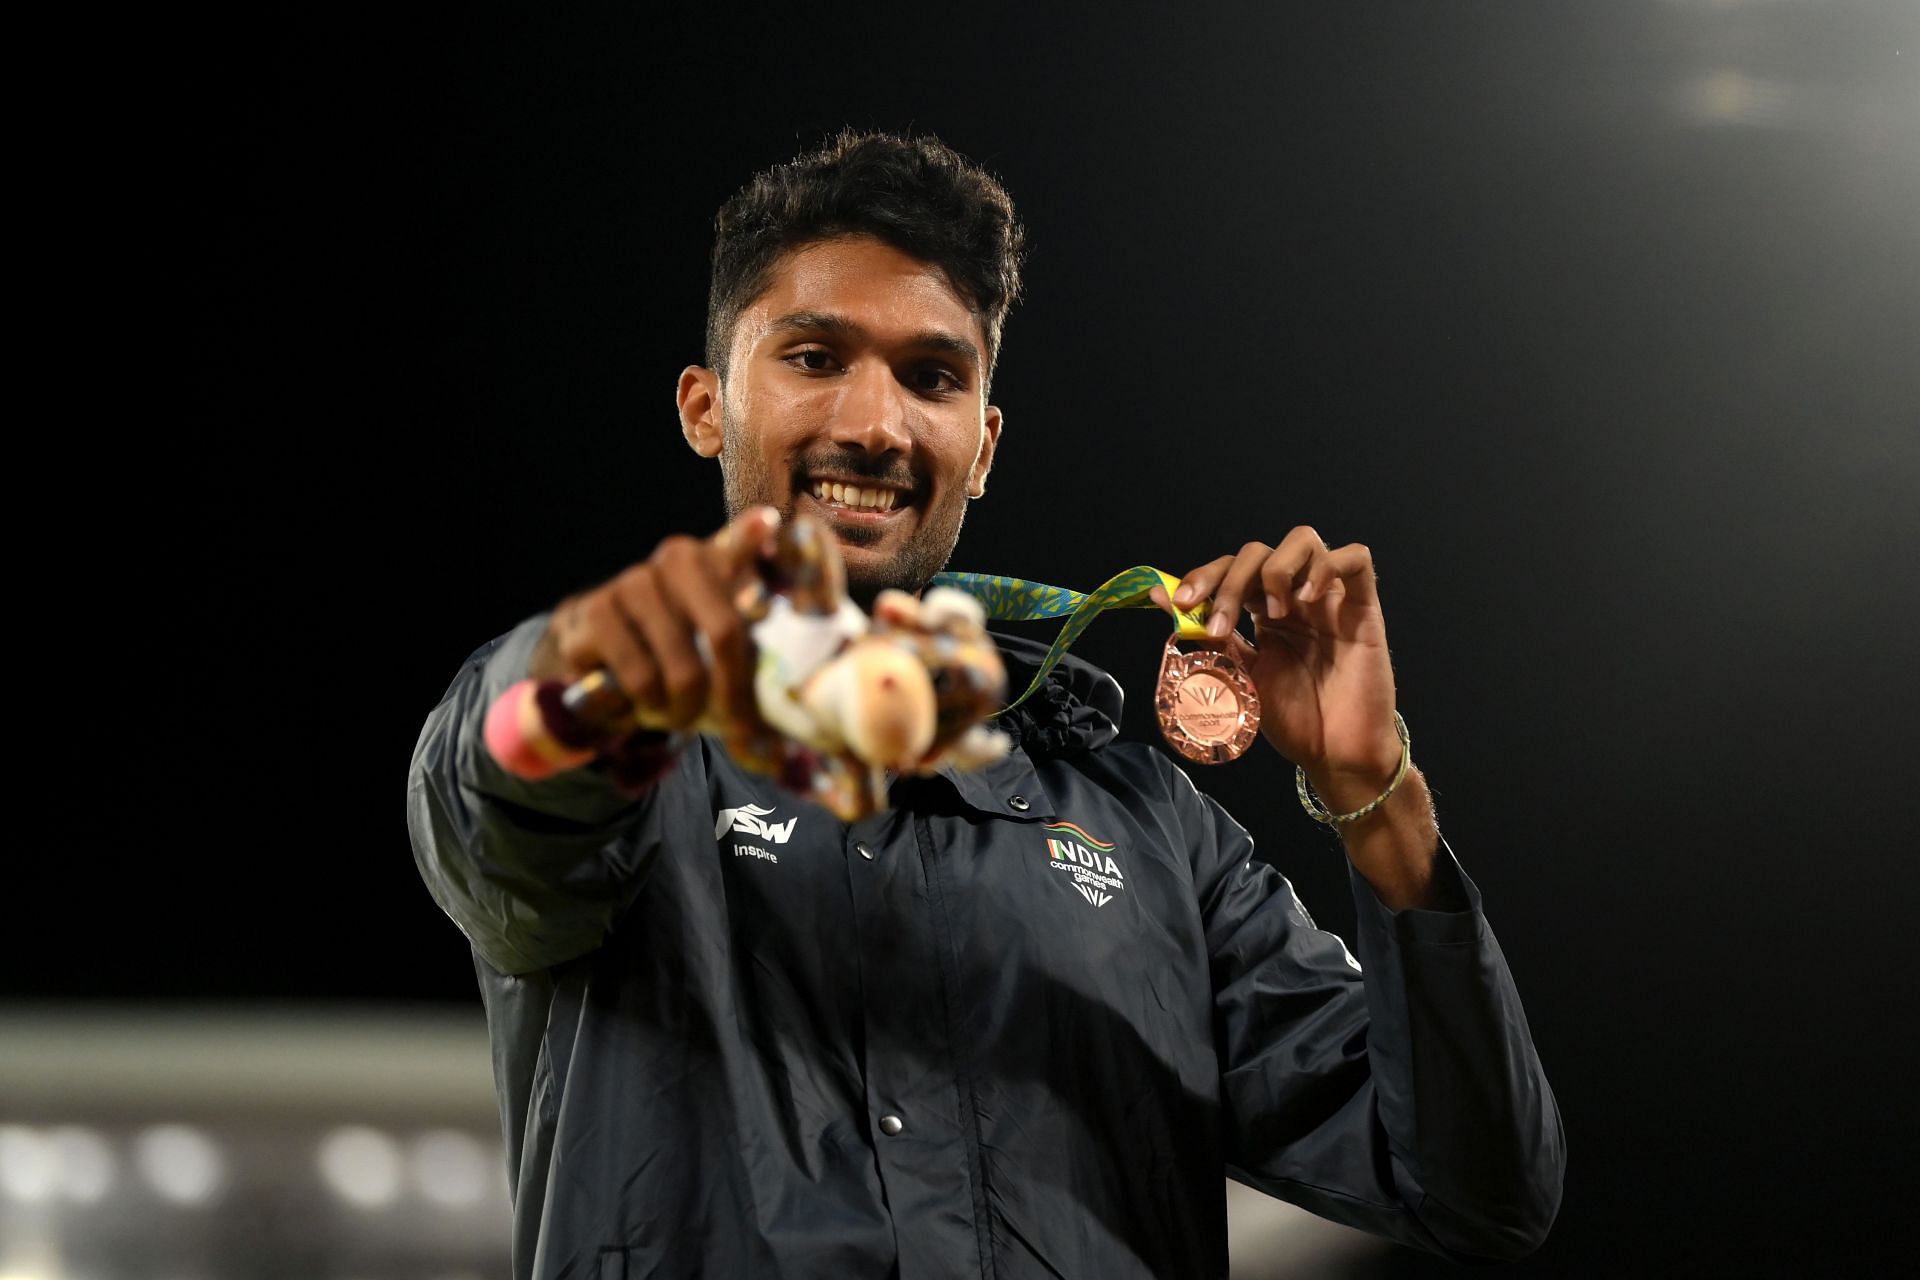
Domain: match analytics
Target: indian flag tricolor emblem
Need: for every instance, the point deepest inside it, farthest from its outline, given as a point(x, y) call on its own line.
point(1060, 836)
point(1073, 849)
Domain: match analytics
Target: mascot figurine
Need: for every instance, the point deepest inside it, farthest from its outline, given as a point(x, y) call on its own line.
point(845, 701)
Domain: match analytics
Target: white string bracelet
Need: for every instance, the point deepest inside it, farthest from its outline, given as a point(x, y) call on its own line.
point(1321, 814)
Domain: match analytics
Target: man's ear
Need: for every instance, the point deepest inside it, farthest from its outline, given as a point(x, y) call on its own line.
point(977, 478)
point(699, 400)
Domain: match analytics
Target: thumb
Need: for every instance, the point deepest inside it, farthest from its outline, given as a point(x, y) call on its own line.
point(746, 537)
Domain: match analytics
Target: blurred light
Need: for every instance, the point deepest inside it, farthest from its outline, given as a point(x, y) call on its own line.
point(450, 1168)
point(180, 1163)
point(362, 1166)
point(83, 1163)
point(1732, 97)
point(28, 1170)
point(31, 1254)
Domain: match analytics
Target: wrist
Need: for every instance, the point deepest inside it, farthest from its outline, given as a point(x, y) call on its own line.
point(1359, 776)
point(1343, 789)
point(1340, 794)
point(1395, 847)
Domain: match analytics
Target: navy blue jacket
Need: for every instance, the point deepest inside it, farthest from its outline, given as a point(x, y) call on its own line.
point(1018, 1025)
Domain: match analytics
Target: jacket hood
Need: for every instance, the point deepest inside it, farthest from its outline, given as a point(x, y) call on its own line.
point(1076, 711)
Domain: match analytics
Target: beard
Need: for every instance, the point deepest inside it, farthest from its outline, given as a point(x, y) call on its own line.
point(924, 552)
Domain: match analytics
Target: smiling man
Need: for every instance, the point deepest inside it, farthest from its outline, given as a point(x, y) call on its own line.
point(853, 386)
point(1021, 1022)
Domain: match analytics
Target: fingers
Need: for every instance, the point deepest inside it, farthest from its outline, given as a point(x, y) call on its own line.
point(1273, 583)
point(745, 537)
point(1295, 574)
point(591, 631)
point(669, 629)
point(703, 587)
point(1242, 574)
point(1201, 582)
point(713, 605)
point(655, 598)
point(1352, 567)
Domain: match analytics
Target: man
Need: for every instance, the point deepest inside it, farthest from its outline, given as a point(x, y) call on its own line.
point(734, 1037)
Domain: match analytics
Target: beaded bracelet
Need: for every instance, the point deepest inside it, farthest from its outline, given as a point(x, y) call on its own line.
point(1319, 814)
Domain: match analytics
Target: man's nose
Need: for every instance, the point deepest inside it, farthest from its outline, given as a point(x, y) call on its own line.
point(873, 413)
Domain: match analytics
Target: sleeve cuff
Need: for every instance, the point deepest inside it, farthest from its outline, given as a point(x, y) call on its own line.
point(591, 794)
point(1433, 927)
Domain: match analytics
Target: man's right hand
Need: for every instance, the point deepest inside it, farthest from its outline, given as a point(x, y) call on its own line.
point(644, 626)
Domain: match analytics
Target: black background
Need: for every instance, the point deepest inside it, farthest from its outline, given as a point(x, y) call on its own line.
point(1597, 322)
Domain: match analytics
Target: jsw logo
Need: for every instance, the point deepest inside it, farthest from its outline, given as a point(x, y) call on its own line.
point(748, 819)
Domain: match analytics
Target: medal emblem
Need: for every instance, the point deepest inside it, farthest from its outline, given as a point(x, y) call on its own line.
point(1208, 708)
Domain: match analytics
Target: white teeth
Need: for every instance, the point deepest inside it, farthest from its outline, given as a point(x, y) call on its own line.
point(852, 495)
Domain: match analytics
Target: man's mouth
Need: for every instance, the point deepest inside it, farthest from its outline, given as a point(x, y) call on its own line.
point(848, 498)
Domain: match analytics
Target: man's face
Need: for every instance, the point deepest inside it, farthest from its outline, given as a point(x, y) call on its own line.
point(859, 367)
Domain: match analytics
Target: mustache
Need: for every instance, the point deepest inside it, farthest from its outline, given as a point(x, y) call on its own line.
point(857, 465)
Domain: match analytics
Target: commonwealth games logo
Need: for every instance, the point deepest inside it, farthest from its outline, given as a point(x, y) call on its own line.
point(1073, 849)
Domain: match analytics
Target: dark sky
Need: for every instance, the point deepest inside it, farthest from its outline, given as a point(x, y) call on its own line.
point(1598, 322)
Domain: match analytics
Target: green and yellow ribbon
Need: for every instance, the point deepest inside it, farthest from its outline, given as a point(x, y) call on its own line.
point(1017, 600)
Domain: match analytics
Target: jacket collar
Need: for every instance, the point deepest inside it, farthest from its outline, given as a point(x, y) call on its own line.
point(1008, 788)
point(1073, 713)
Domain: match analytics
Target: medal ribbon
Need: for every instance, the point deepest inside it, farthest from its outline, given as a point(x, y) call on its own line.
point(1017, 600)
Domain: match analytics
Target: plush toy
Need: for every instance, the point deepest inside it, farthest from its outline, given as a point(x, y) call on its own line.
point(845, 700)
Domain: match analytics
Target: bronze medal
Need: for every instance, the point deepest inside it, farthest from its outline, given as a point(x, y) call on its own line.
point(1208, 708)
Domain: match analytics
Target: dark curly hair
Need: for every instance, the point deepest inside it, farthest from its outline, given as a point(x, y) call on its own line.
point(915, 193)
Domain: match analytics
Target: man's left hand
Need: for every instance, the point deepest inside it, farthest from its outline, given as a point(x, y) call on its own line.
point(1319, 656)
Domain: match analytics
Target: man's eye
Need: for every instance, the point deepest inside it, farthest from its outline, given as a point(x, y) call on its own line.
point(813, 359)
point(935, 378)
